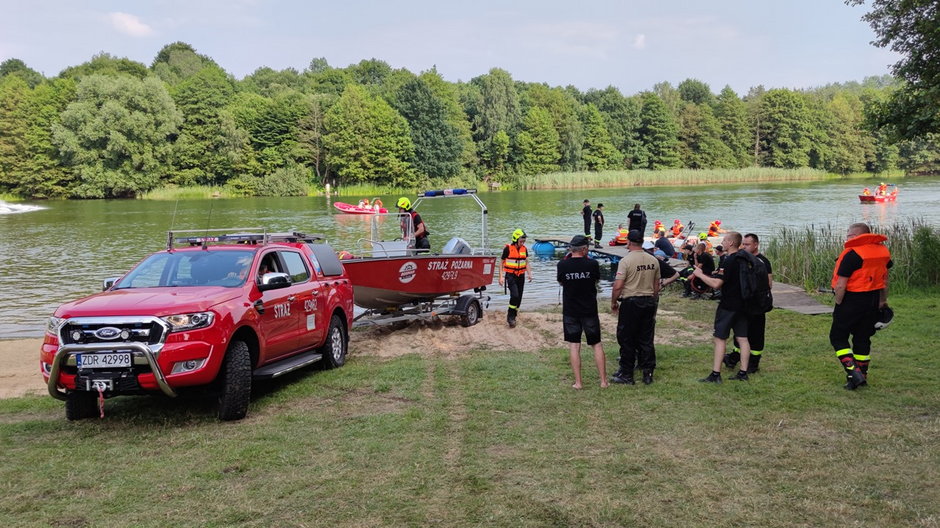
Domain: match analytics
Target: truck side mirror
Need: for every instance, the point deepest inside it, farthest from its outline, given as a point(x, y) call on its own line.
point(274, 281)
point(107, 283)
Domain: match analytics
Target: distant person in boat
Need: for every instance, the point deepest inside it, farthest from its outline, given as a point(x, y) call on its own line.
point(637, 218)
point(714, 229)
point(658, 226)
point(579, 276)
point(620, 239)
point(364, 203)
point(586, 215)
point(635, 298)
point(866, 192)
point(421, 230)
point(860, 282)
point(598, 225)
point(515, 266)
point(677, 228)
point(883, 189)
point(664, 246)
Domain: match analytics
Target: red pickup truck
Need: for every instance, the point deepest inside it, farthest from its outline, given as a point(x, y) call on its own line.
point(215, 310)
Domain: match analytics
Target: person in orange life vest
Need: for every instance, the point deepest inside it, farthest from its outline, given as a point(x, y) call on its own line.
point(658, 226)
point(703, 238)
point(714, 228)
point(515, 268)
point(421, 230)
point(860, 282)
point(866, 192)
point(621, 238)
point(677, 228)
point(883, 189)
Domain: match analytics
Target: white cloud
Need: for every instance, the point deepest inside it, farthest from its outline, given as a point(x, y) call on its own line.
point(130, 25)
point(639, 41)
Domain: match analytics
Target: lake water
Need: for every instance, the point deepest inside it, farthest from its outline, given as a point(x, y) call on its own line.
point(63, 249)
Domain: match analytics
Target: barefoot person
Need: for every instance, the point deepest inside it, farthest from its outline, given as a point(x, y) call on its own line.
point(578, 276)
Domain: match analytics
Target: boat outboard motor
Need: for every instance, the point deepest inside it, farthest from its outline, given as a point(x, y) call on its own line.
point(456, 246)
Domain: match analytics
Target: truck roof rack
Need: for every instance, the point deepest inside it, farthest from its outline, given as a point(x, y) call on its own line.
point(249, 235)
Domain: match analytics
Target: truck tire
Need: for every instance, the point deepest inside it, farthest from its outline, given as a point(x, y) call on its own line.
point(80, 405)
point(334, 348)
point(235, 378)
point(472, 315)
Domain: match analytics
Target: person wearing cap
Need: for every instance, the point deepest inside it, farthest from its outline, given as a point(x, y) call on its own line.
point(860, 283)
point(667, 274)
point(515, 266)
point(579, 276)
point(420, 229)
point(598, 224)
point(635, 298)
point(586, 214)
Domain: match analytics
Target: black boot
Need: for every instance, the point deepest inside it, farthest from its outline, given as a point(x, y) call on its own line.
point(648, 377)
point(754, 364)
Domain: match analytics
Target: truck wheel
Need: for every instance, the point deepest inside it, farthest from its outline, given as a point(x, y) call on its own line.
point(334, 349)
point(472, 315)
point(80, 405)
point(235, 378)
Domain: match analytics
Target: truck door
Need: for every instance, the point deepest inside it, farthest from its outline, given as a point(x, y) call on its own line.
point(278, 313)
point(310, 298)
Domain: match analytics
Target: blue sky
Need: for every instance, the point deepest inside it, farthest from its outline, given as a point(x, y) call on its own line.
point(630, 44)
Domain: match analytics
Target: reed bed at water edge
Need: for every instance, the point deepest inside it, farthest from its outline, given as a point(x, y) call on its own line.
point(643, 178)
point(806, 256)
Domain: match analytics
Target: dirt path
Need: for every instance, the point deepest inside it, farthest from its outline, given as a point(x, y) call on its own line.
point(19, 358)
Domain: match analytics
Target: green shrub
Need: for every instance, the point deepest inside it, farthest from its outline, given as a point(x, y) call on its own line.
point(286, 181)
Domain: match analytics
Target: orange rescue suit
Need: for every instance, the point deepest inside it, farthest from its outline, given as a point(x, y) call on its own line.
point(515, 263)
point(873, 274)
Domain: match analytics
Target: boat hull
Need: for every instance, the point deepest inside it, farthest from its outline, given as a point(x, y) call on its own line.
point(355, 209)
point(381, 283)
point(880, 198)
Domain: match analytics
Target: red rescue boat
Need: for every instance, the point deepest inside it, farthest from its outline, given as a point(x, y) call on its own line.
point(355, 209)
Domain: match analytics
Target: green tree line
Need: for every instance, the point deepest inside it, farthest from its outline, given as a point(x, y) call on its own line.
point(115, 128)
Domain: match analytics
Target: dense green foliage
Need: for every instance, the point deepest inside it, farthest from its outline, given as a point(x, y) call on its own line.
point(113, 127)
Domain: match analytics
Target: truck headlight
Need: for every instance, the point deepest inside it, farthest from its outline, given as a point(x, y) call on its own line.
point(190, 321)
point(53, 325)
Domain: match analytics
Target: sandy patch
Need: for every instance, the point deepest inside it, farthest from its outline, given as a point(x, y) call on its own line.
point(19, 358)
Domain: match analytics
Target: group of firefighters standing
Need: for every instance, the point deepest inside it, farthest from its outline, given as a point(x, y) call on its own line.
point(859, 280)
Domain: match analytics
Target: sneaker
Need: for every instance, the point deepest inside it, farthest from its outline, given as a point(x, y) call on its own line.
point(714, 377)
point(647, 377)
point(625, 380)
point(740, 376)
point(854, 380)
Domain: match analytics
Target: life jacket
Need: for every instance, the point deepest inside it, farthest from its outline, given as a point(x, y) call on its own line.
point(713, 229)
point(516, 262)
point(873, 274)
point(622, 237)
point(677, 229)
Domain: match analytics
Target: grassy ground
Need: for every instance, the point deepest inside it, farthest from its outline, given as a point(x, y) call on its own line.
point(497, 438)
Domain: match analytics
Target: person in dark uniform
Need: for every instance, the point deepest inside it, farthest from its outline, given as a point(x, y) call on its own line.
point(730, 314)
point(637, 218)
point(756, 323)
point(578, 276)
point(860, 282)
point(667, 274)
point(586, 215)
point(515, 266)
point(420, 229)
point(635, 298)
point(699, 259)
point(598, 224)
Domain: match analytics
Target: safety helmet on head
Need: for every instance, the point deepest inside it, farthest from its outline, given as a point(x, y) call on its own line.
point(717, 222)
point(404, 203)
point(676, 221)
point(517, 234)
point(703, 236)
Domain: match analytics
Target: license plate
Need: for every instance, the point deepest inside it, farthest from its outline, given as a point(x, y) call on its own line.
point(101, 361)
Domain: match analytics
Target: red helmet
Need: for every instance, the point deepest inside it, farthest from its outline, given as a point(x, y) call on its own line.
point(677, 221)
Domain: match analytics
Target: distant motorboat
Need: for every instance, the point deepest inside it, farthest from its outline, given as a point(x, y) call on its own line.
point(8, 208)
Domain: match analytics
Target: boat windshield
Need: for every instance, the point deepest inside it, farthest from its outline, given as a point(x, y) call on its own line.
point(228, 269)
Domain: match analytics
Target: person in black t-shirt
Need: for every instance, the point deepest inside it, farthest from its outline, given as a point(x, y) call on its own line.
point(598, 225)
point(730, 314)
point(637, 219)
point(578, 276)
point(756, 323)
point(586, 215)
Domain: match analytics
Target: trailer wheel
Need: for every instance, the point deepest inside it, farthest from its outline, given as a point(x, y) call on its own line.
point(80, 405)
point(236, 382)
point(472, 315)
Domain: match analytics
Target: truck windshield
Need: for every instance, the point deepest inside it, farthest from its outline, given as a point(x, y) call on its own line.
point(190, 268)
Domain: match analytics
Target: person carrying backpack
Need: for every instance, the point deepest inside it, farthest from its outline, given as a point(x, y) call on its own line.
point(757, 321)
point(732, 311)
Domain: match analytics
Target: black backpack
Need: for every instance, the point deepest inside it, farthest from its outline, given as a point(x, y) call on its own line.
point(755, 284)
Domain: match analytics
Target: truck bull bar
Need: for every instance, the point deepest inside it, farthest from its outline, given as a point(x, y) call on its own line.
point(66, 350)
